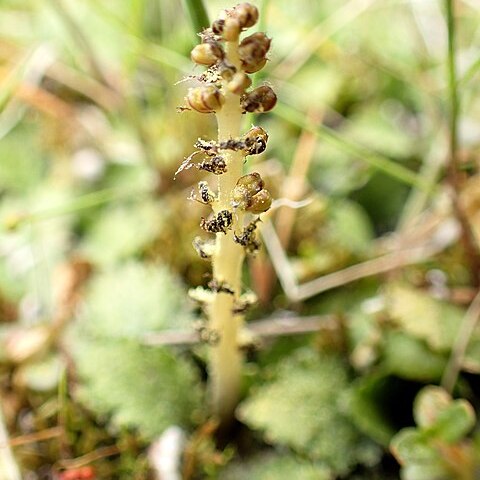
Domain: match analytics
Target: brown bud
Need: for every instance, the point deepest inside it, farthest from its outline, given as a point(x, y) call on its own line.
point(247, 14)
point(260, 202)
point(239, 83)
point(246, 187)
point(205, 99)
point(207, 54)
point(252, 182)
point(254, 47)
point(260, 100)
point(254, 67)
point(255, 141)
point(217, 26)
point(231, 29)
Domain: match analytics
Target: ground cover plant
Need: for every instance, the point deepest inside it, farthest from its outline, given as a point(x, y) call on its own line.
point(239, 241)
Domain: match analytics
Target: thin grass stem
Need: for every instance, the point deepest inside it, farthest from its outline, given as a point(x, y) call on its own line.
point(452, 81)
point(82, 202)
point(454, 171)
point(376, 160)
point(197, 13)
point(459, 349)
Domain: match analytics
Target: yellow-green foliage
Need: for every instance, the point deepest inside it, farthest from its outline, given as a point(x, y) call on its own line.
point(438, 448)
point(423, 317)
point(131, 300)
point(140, 387)
point(318, 429)
point(275, 467)
point(122, 231)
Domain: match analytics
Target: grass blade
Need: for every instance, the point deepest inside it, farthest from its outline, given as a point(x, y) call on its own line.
point(376, 160)
point(197, 13)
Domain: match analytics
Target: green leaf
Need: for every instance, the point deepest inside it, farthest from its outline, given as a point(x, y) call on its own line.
point(350, 227)
point(139, 387)
point(441, 421)
point(131, 300)
point(430, 402)
point(410, 358)
point(272, 466)
point(424, 317)
point(426, 472)
point(143, 388)
point(454, 422)
point(122, 231)
point(412, 446)
point(300, 408)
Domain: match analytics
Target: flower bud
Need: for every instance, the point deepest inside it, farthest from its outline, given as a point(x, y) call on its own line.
point(207, 54)
point(253, 48)
point(246, 187)
point(255, 141)
point(217, 26)
point(260, 100)
point(254, 67)
point(205, 99)
point(239, 83)
point(231, 29)
point(247, 14)
point(260, 202)
point(252, 182)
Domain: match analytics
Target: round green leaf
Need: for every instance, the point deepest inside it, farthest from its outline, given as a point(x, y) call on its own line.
point(412, 446)
point(428, 405)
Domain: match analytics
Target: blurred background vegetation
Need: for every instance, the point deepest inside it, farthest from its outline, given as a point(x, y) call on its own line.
point(96, 256)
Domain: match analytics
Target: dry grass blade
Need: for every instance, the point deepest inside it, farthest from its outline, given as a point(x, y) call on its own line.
point(89, 87)
point(272, 327)
point(445, 234)
point(41, 436)
point(89, 457)
point(36, 63)
point(293, 190)
point(294, 184)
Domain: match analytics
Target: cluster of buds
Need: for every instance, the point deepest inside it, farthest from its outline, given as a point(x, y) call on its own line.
point(222, 74)
point(244, 15)
point(223, 78)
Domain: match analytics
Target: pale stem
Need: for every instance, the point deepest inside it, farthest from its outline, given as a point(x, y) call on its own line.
point(225, 356)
